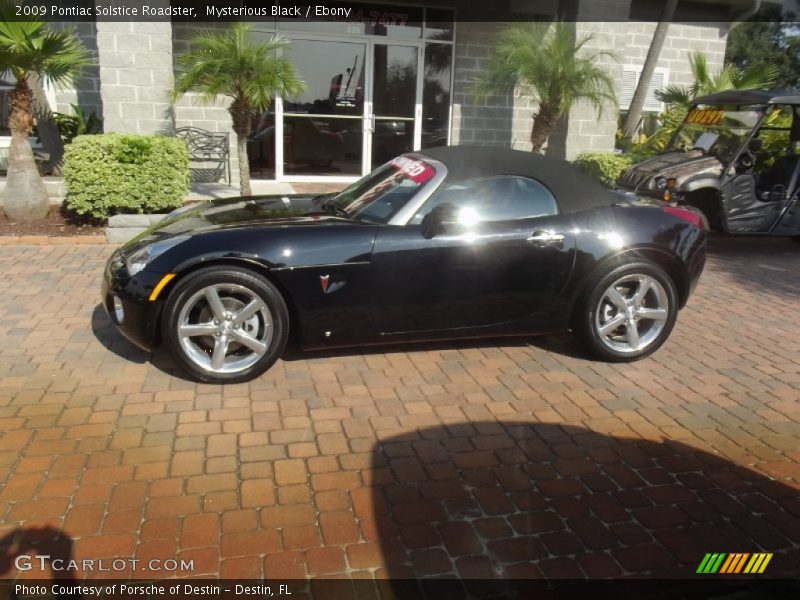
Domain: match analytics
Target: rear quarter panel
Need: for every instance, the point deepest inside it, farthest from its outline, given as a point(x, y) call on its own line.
point(626, 233)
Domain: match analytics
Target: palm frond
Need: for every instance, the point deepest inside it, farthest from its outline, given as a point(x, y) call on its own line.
point(700, 74)
point(233, 63)
point(675, 94)
point(32, 47)
point(763, 76)
point(546, 62)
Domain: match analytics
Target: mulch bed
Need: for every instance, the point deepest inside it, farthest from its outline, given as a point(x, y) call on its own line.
point(58, 223)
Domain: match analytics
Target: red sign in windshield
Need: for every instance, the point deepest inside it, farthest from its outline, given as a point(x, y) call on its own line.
point(416, 170)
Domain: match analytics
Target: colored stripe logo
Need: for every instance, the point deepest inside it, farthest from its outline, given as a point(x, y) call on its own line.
point(734, 563)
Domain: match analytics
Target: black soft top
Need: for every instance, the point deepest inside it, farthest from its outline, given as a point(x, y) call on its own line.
point(743, 97)
point(573, 190)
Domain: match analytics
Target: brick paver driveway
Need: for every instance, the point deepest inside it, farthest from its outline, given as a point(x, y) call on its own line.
point(502, 458)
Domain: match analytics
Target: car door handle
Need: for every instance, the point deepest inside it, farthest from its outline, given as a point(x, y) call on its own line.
point(546, 238)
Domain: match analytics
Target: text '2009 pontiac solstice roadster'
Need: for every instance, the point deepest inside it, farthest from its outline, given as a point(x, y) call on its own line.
point(446, 243)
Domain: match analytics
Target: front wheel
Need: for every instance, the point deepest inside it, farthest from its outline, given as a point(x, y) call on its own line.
point(628, 312)
point(225, 324)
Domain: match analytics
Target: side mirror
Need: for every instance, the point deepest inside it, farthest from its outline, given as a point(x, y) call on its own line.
point(439, 220)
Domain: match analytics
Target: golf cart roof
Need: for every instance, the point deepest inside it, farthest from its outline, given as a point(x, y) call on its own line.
point(743, 97)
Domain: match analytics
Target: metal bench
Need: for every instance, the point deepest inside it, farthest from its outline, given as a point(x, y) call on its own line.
point(209, 148)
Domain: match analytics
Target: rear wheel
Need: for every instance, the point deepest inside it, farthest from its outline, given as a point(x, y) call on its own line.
point(225, 325)
point(628, 312)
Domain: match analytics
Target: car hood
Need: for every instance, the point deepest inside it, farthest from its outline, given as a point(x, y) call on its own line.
point(248, 211)
point(680, 165)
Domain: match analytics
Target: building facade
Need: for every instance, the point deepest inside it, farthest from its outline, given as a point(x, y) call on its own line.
point(388, 81)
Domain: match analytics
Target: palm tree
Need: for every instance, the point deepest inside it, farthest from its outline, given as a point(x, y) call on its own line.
point(29, 50)
point(232, 63)
point(636, 106)
point(545, 62)
point(729, 77)
point(679, 97)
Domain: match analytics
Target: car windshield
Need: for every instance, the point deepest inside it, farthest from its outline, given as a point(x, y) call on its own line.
point(381, 194)
point(716, 130)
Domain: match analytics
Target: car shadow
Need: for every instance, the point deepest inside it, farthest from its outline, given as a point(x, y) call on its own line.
point(106, 333)
point(761, 264)
point(480, 508)
point(565, 344)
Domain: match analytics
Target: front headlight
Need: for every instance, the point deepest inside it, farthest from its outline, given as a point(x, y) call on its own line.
point(138, 260)
point(660, 184)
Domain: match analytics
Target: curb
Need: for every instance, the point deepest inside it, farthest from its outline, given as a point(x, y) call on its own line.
point(46, 240)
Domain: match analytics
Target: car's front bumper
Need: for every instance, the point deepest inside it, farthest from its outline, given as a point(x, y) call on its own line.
point(126, 300)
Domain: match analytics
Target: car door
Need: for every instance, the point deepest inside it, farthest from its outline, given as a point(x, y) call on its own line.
point(509, 259)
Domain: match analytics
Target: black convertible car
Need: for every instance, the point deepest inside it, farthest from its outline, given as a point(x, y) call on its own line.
point(447, 243)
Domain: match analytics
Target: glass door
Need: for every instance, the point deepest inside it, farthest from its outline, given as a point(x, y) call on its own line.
point(322, 129)
point(395, 110)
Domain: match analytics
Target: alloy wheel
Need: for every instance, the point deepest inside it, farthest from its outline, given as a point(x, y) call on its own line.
point(224, 328)
point(632, 313)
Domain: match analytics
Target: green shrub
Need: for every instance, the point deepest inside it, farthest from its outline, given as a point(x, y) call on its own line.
point(115, 173)
point(604, 166)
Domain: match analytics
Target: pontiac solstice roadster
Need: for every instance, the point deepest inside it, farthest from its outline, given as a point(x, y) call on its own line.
point(445, 243)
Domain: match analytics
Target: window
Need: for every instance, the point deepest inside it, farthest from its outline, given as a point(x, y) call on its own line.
point(630, 79)
point(436, 94)
point(494, 199)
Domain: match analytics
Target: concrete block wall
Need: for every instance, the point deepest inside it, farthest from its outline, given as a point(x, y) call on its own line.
point(136, 76)
point(682, 39)
point(586, 128)
point(490, 123)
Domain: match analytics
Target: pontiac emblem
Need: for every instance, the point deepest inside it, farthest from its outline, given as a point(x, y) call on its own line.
point(327, 287)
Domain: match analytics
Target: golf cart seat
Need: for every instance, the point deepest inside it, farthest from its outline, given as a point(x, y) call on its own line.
point(780, 179)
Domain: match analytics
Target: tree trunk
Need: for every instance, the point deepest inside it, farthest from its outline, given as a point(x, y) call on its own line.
point(244, 165)
point(653, 52)
point(25, 197)
point(49, 134)
point(240, 113)
point(543, 122)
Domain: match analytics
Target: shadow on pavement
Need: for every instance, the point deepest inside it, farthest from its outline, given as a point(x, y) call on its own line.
point(491, 502)
point(565, 344)
point(35, 547)
point(105, 332)
point(762, 264)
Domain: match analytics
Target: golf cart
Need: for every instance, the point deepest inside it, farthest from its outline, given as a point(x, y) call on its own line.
point(735, 157)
